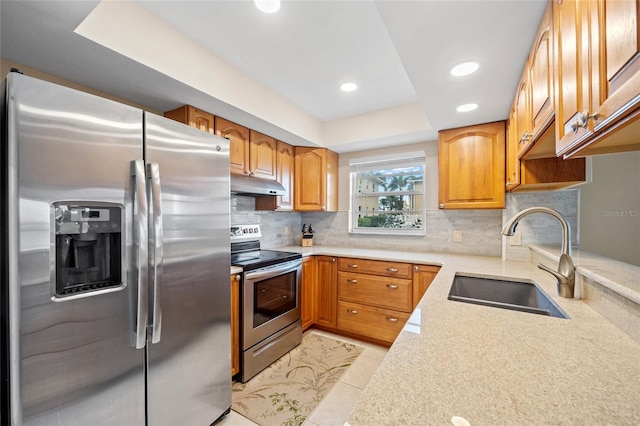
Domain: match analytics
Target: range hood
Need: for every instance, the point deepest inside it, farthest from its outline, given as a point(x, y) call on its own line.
point(247, 185)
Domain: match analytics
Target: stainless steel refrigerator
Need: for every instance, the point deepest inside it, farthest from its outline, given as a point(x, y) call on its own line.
point(115, 263)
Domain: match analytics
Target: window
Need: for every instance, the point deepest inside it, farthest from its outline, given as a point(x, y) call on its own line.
point(387, 195)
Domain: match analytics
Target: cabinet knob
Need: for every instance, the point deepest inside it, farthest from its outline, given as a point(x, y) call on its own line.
point(392, 286)
point(583, 121)
point(441, 205)
point(526, 137)
point(575, 126)
point(416, 269)
point(333, 259)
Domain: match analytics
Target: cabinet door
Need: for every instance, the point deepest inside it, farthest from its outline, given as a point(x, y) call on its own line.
point(326, 291)
point(309, 176)
point(262, 156)
point(541, 77)
point(201, 120)
point(285, 167)
point(284, 174)
point(512, 161)
point(572, 29)
point(307, 292)
point(471, 167)
point(617, 45)
point(193, 117)
point(238, 145)
point(235, 324)
point(423, 275)
point(523, 115)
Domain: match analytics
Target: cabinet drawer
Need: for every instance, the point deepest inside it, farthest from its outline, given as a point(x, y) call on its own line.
point(383, 292)
point(377, 323)
point(375, 267)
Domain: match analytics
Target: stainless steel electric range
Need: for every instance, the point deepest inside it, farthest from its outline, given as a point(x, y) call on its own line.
point(269, 301)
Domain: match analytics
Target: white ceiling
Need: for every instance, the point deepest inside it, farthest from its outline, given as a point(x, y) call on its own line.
point(398, 52)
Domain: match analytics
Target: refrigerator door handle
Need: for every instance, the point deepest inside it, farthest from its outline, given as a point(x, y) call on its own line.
point(158, 254)
point(140, 243)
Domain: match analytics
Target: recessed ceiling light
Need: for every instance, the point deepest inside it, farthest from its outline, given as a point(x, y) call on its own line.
point(348, 87)
point(465, 68)
point(268, 6)
point(467, 107)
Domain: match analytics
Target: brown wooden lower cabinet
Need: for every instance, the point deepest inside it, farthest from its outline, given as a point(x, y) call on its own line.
point(362, 298)
point(423, 275)
point(326, 291)
point(370, 321)
point(235, 324)
point(307, 292)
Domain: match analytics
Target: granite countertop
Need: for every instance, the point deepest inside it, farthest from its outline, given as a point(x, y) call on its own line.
point(494, 366)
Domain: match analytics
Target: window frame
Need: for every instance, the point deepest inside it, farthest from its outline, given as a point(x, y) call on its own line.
point(361, 165)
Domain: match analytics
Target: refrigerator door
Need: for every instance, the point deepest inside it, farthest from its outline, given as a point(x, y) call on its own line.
point(72, 284)
point(189, 364)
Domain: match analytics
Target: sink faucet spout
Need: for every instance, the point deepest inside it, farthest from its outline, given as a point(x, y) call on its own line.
point(566, 271)
point(510, 226)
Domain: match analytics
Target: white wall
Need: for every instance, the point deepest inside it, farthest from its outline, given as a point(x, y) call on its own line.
point(610, 208)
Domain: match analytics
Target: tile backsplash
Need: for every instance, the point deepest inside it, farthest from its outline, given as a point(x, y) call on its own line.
point(481, 229)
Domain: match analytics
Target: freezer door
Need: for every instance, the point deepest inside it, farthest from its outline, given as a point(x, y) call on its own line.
point(189, 363)
point(72, 352)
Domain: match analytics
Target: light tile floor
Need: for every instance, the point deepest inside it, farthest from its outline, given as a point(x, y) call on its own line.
point(336, 406)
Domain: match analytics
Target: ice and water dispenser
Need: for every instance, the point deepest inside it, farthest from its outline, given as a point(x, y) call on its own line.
point(88, 247)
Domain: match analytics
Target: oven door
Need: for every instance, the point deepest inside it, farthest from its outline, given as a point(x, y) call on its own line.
point(270, 301)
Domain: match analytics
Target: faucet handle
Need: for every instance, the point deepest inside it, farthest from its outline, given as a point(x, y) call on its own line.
point(566, 275)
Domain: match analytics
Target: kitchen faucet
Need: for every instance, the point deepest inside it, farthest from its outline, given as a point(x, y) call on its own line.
point(566, 271)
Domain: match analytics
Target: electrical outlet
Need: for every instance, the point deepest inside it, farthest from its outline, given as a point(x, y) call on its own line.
point(287, 230)
point(516, 239)
point(457, 236)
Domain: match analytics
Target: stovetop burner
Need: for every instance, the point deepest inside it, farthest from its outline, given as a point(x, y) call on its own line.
point(249, 256)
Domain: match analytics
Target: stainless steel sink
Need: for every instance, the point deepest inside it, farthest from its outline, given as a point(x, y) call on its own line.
point(514, 295)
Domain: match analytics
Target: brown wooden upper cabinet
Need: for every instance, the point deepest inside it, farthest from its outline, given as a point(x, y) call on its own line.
point(471, 167)
point(531, 148)
point(250, 153)
point(238, 137)
point(315, 179)
point(597, 80)
point(284, 175)
point(193, 117)
point(262, 155)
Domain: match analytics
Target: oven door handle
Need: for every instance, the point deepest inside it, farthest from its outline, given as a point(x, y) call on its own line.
point(259, 274)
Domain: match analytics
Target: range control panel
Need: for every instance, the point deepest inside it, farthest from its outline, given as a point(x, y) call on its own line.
point(245, 232)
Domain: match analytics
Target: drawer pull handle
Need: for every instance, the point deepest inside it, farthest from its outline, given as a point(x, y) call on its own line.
point(392, 269)
point(352, 265)
point(392, 286)
point(392, 319)
point(352, 311)
point(352, 281)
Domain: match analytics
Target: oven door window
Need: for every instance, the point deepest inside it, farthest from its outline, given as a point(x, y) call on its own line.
point(273, 297)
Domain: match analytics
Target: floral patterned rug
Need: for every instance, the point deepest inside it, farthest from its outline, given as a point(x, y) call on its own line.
point(287, 391)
